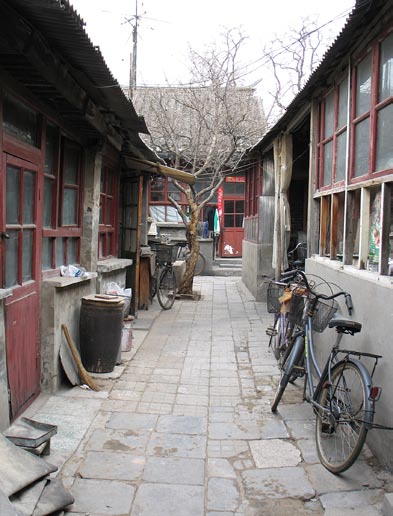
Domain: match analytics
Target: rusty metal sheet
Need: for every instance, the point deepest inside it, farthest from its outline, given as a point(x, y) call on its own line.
point(26, 501)
point(68, 363)
point(6, 507)
point(19, 468)
point(53, 498)
point(30, 433)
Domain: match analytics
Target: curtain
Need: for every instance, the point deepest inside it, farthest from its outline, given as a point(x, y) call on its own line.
point(282, 176)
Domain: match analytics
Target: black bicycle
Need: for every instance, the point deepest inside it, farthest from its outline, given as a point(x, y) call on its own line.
point(163, 281)
point(344, 397)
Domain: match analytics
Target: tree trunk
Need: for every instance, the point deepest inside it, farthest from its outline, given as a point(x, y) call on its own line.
point(193, 243)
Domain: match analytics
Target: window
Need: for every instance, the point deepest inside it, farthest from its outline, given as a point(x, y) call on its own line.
point(356, 224)
point(252, 190)
point(233, 213)
point(108, 204)
point(21, 121)
point(62, 190)
point(333, 136)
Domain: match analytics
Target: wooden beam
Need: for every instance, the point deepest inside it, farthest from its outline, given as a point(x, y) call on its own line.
point(30, 44)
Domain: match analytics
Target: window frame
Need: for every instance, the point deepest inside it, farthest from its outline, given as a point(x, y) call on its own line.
point(108, 223)
point(59, 235)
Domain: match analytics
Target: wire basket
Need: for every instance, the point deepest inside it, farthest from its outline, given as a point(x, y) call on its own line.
point(323, 313)
point(165, 253)
point(274, 292)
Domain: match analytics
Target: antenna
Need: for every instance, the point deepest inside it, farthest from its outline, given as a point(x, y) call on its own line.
point(134, 51)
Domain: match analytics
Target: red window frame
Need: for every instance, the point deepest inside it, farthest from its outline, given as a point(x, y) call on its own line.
point(109, 195)
point(337, 130)
point(253, 190)
point(376, 107)
point(63, 238)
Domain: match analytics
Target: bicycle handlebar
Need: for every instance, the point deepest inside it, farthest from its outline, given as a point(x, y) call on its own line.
point(292, 274)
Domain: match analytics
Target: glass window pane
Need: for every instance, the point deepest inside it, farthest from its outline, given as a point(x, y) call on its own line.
point(229, 221)
point(341, 156)
point(28, 203)
point(11, 266)
point(71, 164)
point(48, 197)
point(239, 220)
point(240, 206)
point(109, 212)
point(329, 115)
point(362, 138)
point(384, 155)
point(343, 104)
point(72, 250)
point(20, 121)
point(60, 252)
point(327, 163)
point(386, 69)
point(51, 150)
point(27, 254)
point(229, 206)
point(69, 206)
point(363, 86)
point(12, 196)
point(47, 244)
point(157, 189)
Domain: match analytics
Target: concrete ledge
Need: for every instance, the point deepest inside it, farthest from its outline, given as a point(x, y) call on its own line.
point(113, 264)
point(387, 507)
point(66, 281)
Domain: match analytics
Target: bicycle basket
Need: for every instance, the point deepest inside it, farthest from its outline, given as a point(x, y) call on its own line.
point(274, 292)
point(323, 313)
point(164, 252)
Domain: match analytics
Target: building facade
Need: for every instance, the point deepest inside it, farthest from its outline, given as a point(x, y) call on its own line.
point(325, 172)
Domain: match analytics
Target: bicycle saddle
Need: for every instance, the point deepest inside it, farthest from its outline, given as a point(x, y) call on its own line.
point(342, 324)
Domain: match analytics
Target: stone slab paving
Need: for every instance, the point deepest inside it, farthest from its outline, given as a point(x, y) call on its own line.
point(186, 429)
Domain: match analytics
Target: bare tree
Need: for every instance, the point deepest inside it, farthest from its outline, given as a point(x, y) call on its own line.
point(289, 60)
point(202, 127)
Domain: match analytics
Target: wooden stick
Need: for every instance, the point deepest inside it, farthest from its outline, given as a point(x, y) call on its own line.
point(83, 374)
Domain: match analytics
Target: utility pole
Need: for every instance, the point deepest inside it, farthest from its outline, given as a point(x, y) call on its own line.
point(133, 55)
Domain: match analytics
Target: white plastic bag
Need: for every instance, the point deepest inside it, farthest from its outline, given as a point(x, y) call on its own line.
point(71, 270)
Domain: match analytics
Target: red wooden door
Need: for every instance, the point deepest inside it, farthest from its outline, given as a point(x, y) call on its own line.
point(232, 231)
point(20, 273)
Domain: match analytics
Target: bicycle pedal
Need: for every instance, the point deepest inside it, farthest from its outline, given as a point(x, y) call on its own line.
point(271, 332)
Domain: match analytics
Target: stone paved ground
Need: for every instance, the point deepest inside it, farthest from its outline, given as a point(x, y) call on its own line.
point(187, 430)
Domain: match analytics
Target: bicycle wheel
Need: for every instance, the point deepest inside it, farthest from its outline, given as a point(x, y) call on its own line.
point(166, 288)
point(292, 361)
point(200, 264)
point(279, 339)
point(341, 430)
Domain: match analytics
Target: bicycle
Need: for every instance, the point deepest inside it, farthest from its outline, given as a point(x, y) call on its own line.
point(344, 398)
point(279, 302)
point(184, 253)
point(163, 281)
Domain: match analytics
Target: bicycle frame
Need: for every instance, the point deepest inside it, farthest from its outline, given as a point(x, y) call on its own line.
point(305, 343)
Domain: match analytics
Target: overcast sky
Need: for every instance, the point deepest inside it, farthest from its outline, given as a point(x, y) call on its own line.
point(167, 27)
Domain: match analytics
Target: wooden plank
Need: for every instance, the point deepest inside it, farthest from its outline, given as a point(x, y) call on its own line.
point(386, 196)
point(350, 230)
point(324, 225)
point(364, 233)
point(334, 226)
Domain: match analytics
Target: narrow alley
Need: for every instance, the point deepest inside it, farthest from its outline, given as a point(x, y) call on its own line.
point(186, 429)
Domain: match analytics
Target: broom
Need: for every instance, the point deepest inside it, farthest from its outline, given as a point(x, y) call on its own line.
point(83, 374)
